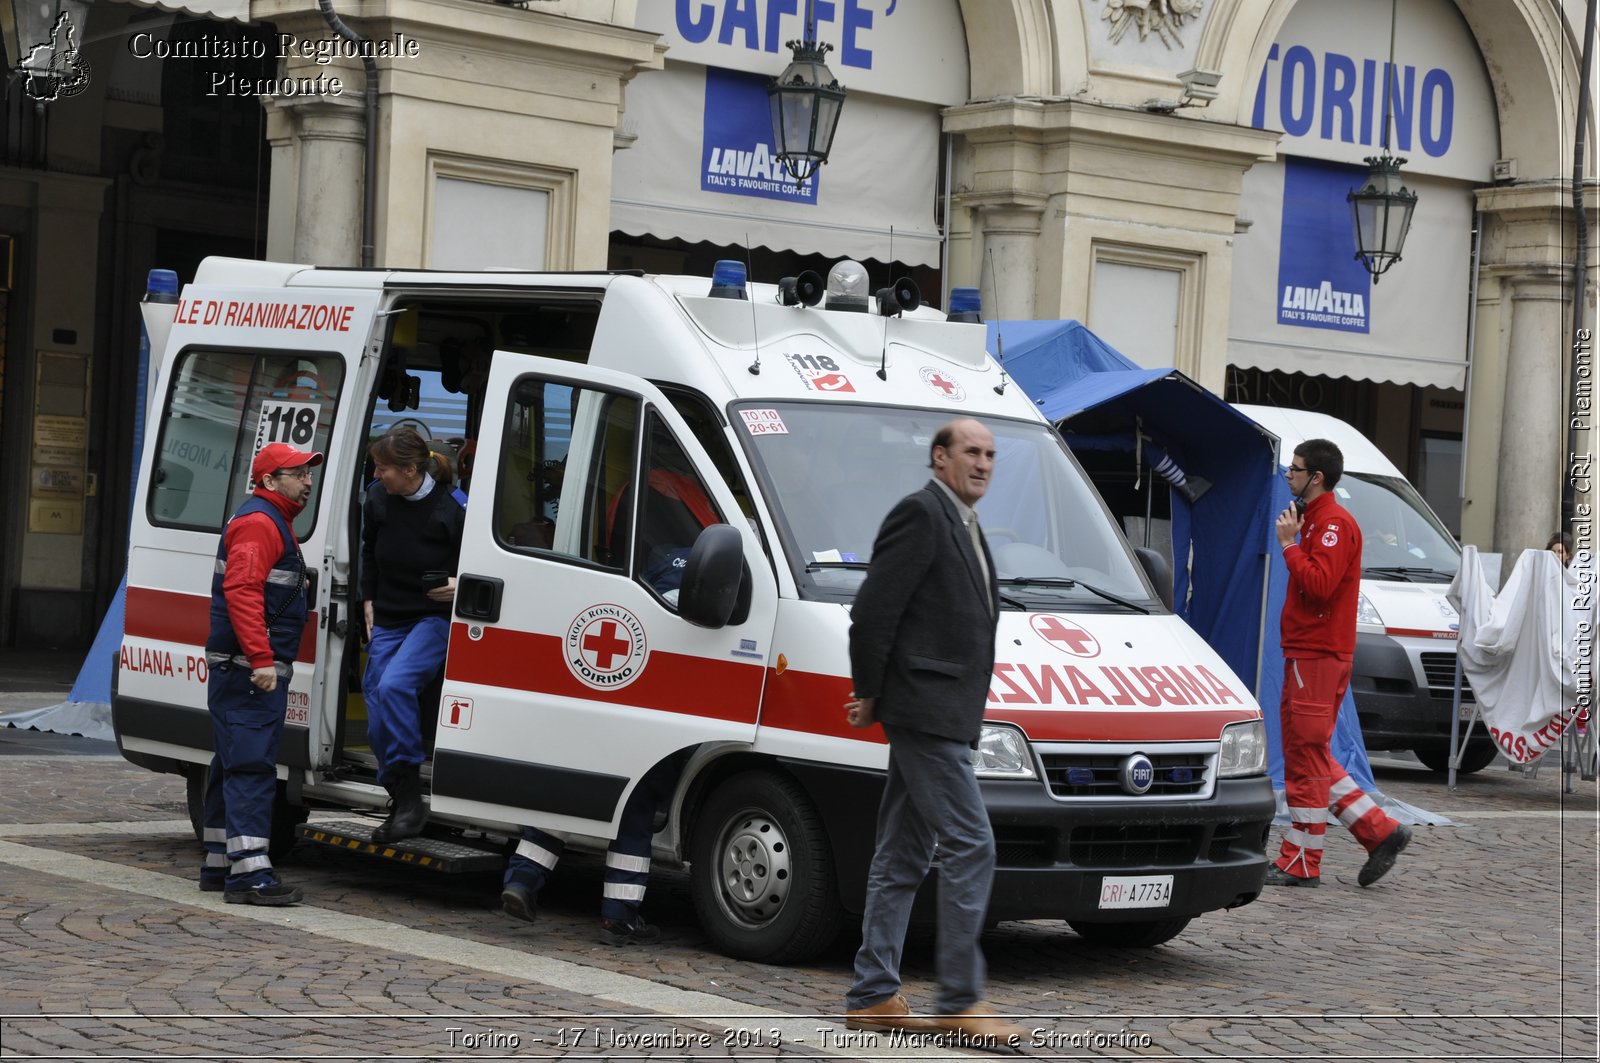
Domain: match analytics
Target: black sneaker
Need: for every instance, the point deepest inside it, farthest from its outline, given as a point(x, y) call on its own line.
point(1382, 858)
point(519, 901)
point(1277, 876)
point(268, 894)
point(634, 931)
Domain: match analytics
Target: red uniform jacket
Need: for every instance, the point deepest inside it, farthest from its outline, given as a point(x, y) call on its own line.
point(1319, 610)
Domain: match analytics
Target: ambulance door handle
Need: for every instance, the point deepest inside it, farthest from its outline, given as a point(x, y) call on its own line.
point(478, 597)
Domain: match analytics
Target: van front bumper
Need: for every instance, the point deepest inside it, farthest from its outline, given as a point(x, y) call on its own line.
point(1053, 857)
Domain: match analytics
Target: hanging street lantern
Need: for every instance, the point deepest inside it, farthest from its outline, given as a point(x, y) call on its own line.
point(805, 101)
point(1382, 209)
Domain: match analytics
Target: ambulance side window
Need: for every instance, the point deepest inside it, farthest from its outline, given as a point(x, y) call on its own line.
point(223, 407)
point(566, 460)
point(673, 509)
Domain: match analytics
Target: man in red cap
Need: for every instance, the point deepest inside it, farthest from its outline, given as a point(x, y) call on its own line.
point(258, 610)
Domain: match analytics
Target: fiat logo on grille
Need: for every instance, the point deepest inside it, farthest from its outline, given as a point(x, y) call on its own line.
point(1137, 774)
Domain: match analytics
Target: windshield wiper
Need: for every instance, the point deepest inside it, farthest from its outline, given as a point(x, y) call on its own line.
point(1406, 572)
point(1068, 583)
point(818, 566)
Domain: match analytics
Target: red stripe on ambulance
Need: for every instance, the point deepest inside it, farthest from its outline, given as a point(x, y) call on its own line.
point(167, 616)
point(670, 682)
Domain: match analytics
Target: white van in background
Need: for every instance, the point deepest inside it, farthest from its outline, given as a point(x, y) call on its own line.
point(1405, 662)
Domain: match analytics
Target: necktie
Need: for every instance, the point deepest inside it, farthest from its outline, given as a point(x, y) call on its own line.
point(977, 548)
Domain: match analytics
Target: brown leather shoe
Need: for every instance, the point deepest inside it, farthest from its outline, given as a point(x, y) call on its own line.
point(980, 1026)
point(891, 1014)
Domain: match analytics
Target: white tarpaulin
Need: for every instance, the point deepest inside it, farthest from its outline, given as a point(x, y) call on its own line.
point(1526, 651)
point(702, 170)
point(223, 10)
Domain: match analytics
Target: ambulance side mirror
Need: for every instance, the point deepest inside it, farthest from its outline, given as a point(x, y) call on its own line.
point(715, 579)
point(1160, 573)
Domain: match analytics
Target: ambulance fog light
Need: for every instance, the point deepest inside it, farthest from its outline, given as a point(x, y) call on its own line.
point(1003, 753)
point(1244, 750)
point(1366, 613)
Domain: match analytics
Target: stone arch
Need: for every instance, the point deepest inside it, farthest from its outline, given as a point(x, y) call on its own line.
point(1024, 47)
point(1530, 55)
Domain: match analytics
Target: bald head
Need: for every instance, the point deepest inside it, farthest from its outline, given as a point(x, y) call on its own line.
point(962, 456)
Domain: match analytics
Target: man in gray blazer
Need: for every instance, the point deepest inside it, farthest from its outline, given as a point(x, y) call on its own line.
point(921, 656)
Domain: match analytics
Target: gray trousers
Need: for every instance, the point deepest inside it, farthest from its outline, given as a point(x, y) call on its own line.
point(931, 796)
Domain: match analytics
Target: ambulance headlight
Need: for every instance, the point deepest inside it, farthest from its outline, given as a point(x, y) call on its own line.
point(1244, 750)
point(1003, 753)
point(1365, 613)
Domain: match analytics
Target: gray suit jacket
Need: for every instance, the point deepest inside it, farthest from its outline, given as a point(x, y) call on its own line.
point(921, 632)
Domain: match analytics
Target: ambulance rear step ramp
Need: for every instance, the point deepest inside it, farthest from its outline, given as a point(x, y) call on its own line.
point(436, 854)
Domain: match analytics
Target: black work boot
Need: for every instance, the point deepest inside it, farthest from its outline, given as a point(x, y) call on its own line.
point(410, 814)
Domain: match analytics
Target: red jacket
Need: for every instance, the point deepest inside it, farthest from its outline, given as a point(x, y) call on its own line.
point(253, 545)
point(1319, 610)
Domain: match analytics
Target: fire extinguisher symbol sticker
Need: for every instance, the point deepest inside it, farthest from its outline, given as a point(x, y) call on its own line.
point(457, 713)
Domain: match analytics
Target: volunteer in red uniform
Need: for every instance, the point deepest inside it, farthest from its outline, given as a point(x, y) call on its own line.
point(258, 611)
point(1319, 639)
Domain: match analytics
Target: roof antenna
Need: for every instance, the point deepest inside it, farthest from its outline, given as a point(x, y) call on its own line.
point(999, 337)
point(755, 329)
point(883, 357)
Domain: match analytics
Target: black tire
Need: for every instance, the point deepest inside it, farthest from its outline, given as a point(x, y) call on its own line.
point(194, 785)
point(761, 872)
point(1479, 755)
point(286, 820)
point(1143, 934)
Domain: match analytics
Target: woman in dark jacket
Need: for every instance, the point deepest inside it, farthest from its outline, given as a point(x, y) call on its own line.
point(410, 545)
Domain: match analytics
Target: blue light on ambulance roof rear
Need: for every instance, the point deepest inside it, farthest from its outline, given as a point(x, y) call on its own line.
point(966, 305)
point(162, 282)
point(727, 279)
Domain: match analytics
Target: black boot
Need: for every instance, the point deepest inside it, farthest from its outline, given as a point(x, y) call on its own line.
point(410, 814)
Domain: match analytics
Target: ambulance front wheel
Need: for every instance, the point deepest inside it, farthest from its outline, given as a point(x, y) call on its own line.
point(761, 871)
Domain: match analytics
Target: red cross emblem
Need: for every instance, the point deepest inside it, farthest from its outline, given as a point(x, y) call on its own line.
point(1064, 635)
point(602, 645)
point(944, 385)
point(605, 647)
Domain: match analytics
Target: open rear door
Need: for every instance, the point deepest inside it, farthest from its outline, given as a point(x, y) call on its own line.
point(247, 366)
point(570, 670)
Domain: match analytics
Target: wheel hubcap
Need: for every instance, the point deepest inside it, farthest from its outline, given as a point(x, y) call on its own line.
point(753, 869)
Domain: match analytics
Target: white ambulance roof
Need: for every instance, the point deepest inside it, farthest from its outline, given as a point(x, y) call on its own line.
point(1293, 427)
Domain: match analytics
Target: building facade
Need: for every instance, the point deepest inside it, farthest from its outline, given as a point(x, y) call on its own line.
point(1171, 172)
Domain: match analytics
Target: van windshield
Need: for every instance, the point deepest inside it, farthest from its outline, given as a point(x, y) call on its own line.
point(836, 470)
point(1401, 538)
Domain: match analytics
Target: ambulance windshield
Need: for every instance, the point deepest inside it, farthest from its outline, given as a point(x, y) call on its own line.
point(1401, 539)
point(836, 470)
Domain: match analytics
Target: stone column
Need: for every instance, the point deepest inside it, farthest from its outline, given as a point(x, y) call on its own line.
point(1524, 346)
point(325, 138)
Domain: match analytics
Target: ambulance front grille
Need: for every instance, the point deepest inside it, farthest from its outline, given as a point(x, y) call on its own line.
point(1098, 774)
point(1137, 846)
point(1439, 669)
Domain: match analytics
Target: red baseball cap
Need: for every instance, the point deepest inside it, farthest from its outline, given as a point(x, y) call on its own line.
point(274, 456)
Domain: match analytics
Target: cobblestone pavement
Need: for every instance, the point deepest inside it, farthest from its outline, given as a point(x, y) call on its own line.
point(1482, 944)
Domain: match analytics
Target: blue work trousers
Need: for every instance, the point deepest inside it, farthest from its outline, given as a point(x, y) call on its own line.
point(627, 859)
point(401, 662)
point(930, 797)
point(246, 726)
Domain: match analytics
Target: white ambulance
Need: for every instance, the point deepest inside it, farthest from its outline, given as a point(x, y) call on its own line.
point(600, 628)
point(1403, 677)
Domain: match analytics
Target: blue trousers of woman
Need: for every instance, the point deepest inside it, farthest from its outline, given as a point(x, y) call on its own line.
point(401, 662)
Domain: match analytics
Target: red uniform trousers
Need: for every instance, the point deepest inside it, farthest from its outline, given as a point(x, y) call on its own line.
point(1314, 783)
